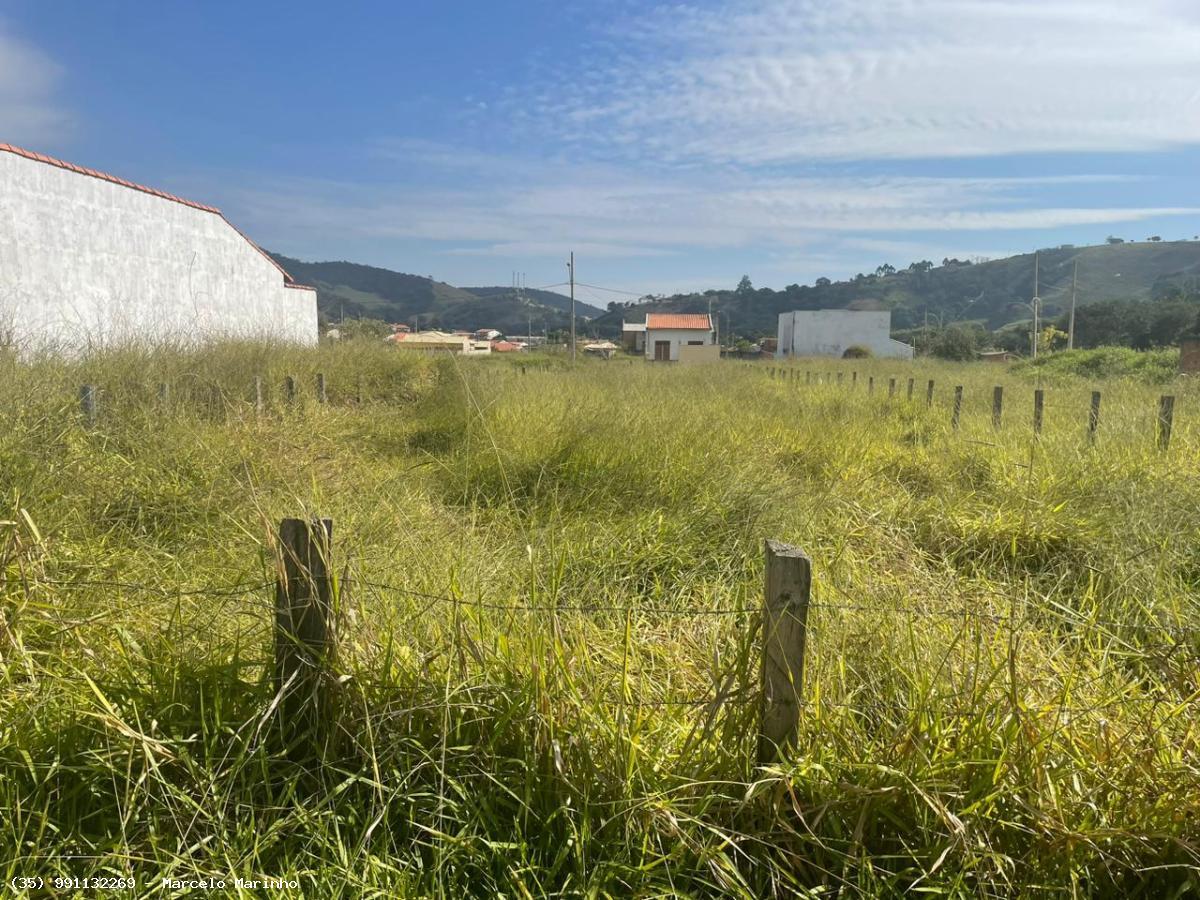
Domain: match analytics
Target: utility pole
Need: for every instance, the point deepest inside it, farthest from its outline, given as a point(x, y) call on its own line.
point(1071, 320)
point(571, 267)
point(1037, 305)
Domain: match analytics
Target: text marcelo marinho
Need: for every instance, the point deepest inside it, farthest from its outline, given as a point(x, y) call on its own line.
point(216, 884)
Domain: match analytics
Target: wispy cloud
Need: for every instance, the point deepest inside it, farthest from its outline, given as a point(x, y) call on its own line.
point(769, 81)
point(29, 110)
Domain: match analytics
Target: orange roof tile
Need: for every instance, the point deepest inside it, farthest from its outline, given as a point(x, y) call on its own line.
point(288, 281)
point(698, 321)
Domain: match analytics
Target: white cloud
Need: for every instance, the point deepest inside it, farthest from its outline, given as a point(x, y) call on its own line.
point(776, 81)
point(29, 112)
point(616, 212)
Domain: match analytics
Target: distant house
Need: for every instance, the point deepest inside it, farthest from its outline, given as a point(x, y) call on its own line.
point(996, 356)
point(506, 347)
point(89, 259)
point(680, 337)
point(439, 342)
point(487, 334)
point(831, 332)
point(633, 336)
point(603, 349)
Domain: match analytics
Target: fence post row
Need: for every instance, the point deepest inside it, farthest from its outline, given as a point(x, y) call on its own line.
point(305, 629)
point(1094, 417)
point(788, 582)
point(87, 403)
point(1166, 415)
point(997, 405)
point(954, 416)
point(1039, 403)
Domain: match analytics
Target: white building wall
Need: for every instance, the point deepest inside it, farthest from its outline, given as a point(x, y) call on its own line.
point(830, 332)
point(676, 336)
point(86, 262)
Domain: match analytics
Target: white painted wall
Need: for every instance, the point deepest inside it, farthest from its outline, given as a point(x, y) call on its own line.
point(86, 262)
point(829, 332)
point(676, 336)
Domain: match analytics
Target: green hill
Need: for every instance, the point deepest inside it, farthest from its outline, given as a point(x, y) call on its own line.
point(346, 289)
point(545, 298)
point(993, 293)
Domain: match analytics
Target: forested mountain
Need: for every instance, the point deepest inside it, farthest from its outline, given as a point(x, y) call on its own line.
point(990, 294)
point(351, 290)
point(545, 298)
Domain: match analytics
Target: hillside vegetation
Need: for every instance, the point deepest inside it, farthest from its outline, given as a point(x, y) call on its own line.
point(993, 293)
point(352, 290)
point(549, 596)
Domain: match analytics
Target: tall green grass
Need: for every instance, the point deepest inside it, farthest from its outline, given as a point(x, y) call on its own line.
point(548, 668)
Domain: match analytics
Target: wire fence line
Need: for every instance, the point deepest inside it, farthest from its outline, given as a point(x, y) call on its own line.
point(166, 593)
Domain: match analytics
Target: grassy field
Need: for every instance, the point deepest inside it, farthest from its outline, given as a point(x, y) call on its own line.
point(549, 588)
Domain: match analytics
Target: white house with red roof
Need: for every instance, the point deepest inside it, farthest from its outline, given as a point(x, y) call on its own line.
point(89, 259)
point(676, 337)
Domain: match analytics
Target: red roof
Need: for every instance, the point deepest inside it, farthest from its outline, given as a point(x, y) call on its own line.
point(288, 281)
point(684, 321)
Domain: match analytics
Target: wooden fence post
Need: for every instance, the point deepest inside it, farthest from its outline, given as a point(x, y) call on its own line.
point(839, 377)
point(1166, 416)
point(808, 377)
point(929, 393)
point(87, 404)
point(305, 628)
point(1094, 417)
point(258, 396)
point(954, 416)
point(911, 382)
point(785, 620)
point(1039, 404)
point(891, 388)
point(854, 378)
point(164, 393)
point(321, 395)
point(997, 405)
point(870, 385)
point(289, 389)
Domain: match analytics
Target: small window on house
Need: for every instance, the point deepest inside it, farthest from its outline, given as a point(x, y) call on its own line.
point(695, 343)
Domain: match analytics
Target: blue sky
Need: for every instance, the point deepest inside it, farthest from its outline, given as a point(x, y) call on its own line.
point(672, 147)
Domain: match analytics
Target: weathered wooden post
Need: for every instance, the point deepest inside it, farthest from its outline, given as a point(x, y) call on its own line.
point(854, 378)
point(891, 388)
point(321, 395)
point(957, 413)
point(1166, 416)
point(839, 377)
point(87, 404)
point(929, 393)
point(997, 405)
point(522, 370)
point(1094, 417)
point(808, 377)
point(164, 393)
point(911, 382)
point(359, 393)
point(870, 385)
point(258, 396)
point(289, 389)
point(785, 620)
point(1039, 405)
point(305, 628)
